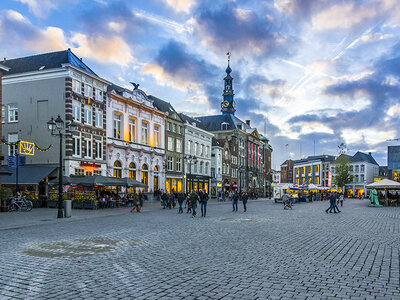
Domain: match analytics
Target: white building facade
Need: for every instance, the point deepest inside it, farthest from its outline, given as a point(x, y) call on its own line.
point(216, 168)
point(135, 138)
point(198, 146)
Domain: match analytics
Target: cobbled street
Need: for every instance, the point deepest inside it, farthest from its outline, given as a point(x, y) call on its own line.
point(266, 253)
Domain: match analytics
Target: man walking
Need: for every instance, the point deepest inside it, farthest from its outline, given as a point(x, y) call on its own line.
point(193, 202)
point(333, 206)
point(341, 199)
point(245, 197)
point(204, 200)
point(181, 198)
point(235, 199)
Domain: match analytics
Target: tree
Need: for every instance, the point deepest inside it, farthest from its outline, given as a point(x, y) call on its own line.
point(343, 169)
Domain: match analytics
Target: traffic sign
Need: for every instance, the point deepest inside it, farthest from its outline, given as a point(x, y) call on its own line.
point(26, 148)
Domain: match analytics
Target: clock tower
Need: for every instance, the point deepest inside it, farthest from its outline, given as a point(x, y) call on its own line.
point(228, 104)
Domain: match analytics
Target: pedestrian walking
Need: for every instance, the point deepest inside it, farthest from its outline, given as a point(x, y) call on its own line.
point(164, 198)
point(245, 197)
point(193, 202)
point(341, 199)
point(204, 200)
point(333, 206)
point(181, 198)
point(235, 199)
point(188, 204)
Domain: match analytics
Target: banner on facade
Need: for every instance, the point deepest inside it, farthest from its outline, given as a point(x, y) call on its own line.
point(329, 178)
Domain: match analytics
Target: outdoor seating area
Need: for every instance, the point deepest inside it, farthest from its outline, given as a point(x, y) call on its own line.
point(388, 192)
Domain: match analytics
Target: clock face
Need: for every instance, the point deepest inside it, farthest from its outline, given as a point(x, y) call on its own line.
point(225, 103)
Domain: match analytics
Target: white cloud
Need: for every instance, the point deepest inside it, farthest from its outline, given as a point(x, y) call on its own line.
point(104, 49)
point(40, 8)
point(370, 136)
point(180, 5)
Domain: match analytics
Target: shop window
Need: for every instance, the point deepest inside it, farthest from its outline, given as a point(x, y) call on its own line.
point(145, 174)
point(155, 182)
point(79, 172)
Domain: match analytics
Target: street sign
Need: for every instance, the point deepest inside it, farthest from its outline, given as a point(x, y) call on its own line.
point(12, 161)
point(26, 148)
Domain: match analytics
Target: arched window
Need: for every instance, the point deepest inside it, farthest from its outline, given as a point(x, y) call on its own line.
point(132, 170)
point(155, 185)
point(145, 174)
point(117, 170)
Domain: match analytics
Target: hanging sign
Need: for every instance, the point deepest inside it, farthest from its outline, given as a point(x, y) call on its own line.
point(26, 148)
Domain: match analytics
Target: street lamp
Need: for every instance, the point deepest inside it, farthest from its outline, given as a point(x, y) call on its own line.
point(241, 170)
point(55, 127)
point(190, 159)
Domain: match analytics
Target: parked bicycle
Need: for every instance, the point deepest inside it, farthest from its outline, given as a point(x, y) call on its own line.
point(20, 203)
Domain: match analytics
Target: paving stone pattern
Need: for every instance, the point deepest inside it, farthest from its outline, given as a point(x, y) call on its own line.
point(266, 253)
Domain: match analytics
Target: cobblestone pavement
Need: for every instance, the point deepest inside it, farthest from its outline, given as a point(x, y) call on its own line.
point(266, 253)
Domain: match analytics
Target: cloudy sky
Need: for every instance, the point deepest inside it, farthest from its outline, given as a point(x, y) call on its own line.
point(310, 74)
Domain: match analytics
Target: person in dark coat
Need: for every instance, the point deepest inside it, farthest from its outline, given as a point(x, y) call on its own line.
point(235, 199)
point(204, 200)
point(333, 206)
point(181, 198)
point(193, 198)
point(244, 198)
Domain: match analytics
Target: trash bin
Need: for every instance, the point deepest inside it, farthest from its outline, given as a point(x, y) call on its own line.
point(67, 208)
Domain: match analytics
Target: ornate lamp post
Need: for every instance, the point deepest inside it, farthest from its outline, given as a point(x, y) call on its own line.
point(190, 159)
point(56, 128)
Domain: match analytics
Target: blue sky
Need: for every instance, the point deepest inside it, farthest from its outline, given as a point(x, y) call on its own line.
point(306, 72)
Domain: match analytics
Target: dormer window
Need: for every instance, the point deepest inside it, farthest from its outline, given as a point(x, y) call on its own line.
point(224, 126)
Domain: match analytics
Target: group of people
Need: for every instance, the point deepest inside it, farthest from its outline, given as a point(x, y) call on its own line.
point(334, 199)
point(193, 199)
point(222, 196)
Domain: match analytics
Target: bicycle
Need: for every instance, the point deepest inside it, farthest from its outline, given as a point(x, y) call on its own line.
point(20, 203)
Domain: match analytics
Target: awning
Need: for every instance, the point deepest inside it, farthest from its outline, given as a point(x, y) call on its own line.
point(27, 174)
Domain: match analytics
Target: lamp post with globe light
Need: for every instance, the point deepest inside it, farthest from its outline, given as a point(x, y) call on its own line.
point(56, 128)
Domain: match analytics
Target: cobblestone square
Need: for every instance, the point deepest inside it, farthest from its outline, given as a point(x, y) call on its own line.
point(265, 253)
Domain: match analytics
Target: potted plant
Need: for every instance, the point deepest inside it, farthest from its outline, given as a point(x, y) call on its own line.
point(52, 200)
point(5, 193)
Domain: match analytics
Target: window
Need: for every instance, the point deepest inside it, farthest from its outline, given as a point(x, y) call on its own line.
point(174, 127)
point(97, 172)
point(356, 169)
point(76, 86)
point(88, 146)
point(76, 111)
point(89, 173)
point(156, 136)
point(168, 126)
point(132, 129)
point(202, 150)
point(356, 178)
point(180, 129)
point(117, 170)
point(227, 169)
point(189, 147)
point(76, 144)
point(195, 167)
point(13, 113)
point(99, 95)
point(206, 168)
point(88, 91)
point(12, 138)
point(201, 167)
point(3, 114)
point(88, 119)
point(362, 178)
point(99, 118)
point(145, 133)
point(178, 164)
point(362, 168)
point(207, 151)
point(195, 148)
point(79, 172)
point(117, 126)
point(132, 170)
point(170, 143)
point(98, 146)
point(179, 145)
point(170, 163)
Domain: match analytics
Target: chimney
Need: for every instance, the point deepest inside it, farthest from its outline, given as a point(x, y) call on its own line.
point(370, 154)
point(4, 59)
point(248, 122)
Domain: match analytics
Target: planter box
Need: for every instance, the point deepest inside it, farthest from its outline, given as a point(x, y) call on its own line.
point(89, 205)
point(77, 205)
point(51, 204)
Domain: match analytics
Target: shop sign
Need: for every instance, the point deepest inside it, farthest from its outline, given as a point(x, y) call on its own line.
point(26, 148)
point(219, 184)
point(89, 164)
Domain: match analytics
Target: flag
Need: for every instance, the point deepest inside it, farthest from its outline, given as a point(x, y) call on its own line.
point(88, 100)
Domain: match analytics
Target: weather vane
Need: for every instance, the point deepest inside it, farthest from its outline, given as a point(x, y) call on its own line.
point(229, 57)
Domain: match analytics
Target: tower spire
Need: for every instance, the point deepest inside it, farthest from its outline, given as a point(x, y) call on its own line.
point(228, 104)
